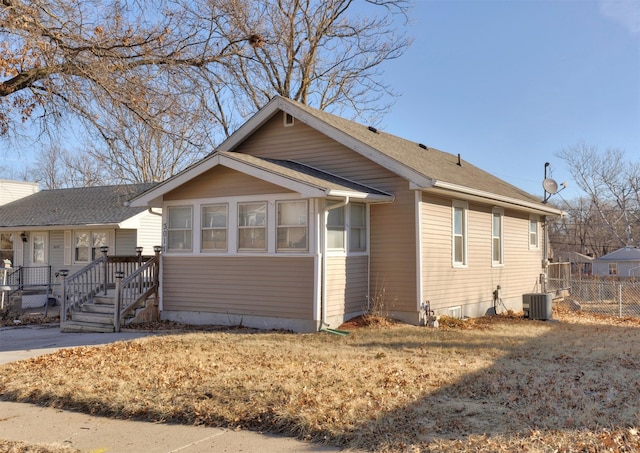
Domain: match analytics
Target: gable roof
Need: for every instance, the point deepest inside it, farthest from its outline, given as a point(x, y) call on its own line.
point(424, 168)
point(622, 254)
point(106, 205)
point(301, 178)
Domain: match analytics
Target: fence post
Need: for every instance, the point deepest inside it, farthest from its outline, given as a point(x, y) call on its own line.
point(105, 261)
point(63, 305)
point(116, 313)
point(620, 299)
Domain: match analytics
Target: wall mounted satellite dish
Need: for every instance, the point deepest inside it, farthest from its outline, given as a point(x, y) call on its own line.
point(550, 186)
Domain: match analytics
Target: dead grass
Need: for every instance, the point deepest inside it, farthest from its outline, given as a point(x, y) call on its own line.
point(491, 384)
point(23, 447)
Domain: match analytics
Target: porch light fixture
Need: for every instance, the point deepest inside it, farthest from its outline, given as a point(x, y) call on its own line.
point(139, 251)
point(104, 249)
point(119, 274)
point(23, 236)
point(63, 272)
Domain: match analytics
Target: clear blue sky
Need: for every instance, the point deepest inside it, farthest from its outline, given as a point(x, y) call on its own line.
point(509, 83)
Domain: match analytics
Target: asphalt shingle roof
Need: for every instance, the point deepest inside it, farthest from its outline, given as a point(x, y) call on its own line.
point(622, 254)
point(430, 162)
point(75, 206)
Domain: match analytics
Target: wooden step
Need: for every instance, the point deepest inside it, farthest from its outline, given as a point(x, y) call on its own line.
point(95, 318)
point(104, 300)
point(98, 308)
point(78, 326)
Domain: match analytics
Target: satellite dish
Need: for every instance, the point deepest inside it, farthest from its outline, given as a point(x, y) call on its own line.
point(550, 186)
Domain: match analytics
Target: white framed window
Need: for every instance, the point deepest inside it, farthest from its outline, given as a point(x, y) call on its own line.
point(6, 248)
point(87, 243)
point(459, 233)
point(497, 237)
point(39, 247)
point(292, 226)
point(214, 227)
point(613, 268)
point(179, 228)
point(287, 119)
point(534, 222)
point(252, 226)
point(357, 227)
point(336, 229)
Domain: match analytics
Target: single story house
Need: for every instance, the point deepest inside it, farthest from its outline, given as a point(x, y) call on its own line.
point(301, 220)
point(624, 262)
point(65, 228)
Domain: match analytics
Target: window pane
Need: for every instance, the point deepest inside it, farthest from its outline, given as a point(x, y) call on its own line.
point(214, 239)
point(179, 217)
point(336, 217)
point(179, 239)
point(252, 238)
point(252, 214)
point(358, 215)
point(335, 238)
point(358, 239)
point(458, 249)
point(457, 220)
point(292, 213)
point(496, 225)
point(292, 238)
point(496, 250)
point(214, 216)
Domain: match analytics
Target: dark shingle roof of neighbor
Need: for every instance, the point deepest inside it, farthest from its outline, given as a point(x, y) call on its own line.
point(430, 162)
point(75, 206)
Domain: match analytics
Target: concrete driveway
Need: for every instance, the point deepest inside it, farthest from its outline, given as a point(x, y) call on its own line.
point(23, 342)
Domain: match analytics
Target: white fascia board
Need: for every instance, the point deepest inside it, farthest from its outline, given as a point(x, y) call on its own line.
point(153, 198)
point(488, 197)
point(372, 197)
point(250, 126)
point(306, 190)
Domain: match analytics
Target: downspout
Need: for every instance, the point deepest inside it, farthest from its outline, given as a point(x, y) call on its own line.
point(151, 211)
point(323, 284)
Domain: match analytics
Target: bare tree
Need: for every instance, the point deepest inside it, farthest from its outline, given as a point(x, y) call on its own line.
point(325, 53)
point(154, 85)
point(612, 205)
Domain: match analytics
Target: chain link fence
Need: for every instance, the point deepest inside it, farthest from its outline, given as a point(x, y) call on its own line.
point(608, 297)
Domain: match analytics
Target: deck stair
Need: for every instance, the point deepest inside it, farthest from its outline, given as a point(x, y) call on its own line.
point(87, 308)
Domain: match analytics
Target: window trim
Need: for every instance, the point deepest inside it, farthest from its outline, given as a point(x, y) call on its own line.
point(500, 213)
point(457, 204)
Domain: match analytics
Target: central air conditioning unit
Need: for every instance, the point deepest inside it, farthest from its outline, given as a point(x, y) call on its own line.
point(537, 305)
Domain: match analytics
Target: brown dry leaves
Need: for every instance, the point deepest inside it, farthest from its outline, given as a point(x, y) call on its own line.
point(499, 384)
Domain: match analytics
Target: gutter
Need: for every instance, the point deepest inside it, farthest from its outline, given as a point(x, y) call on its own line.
point(323, 284)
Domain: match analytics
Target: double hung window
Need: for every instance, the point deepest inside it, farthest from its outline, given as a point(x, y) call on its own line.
point(292, 226)
point(214, 221)
point(459, 239)
point(87, 245)
point(179, 230)
point(252, 226)
point(497, 237)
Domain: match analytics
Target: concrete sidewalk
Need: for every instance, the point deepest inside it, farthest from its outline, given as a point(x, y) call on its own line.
point(35, 424)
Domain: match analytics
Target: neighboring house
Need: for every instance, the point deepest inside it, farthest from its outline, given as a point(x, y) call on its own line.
point(14, 190)
point(581, 264)
point(300, 219)
point(624, 262)
point(65, 228)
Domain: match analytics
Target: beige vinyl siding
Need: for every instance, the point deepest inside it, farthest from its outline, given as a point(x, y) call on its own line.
point(14, 190)
point(445, 286)
point(259, 286)
point(346, 284)
point(223, 182)
point(392, 232)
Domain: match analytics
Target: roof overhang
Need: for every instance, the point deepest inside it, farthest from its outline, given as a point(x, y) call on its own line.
point(84, 226)
point(259, 169)
point(449, 189)
point(279, 103)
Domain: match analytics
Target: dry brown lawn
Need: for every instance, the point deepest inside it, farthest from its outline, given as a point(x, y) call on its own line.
point(492, 384)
